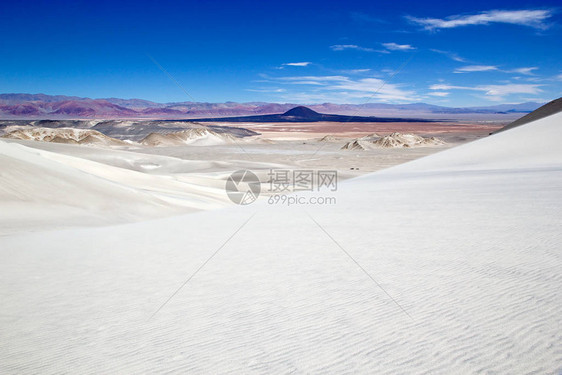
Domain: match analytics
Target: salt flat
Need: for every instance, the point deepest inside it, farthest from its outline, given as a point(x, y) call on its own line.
point(462, 248)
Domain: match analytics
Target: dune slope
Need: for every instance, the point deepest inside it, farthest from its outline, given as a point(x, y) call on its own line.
point(548, 109)
point(462, 248)
point(42, 189)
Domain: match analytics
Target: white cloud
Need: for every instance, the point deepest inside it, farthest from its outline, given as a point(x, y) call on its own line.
point(451, 55)
point(267, 90)
point(475, 68)
point(316, 79)
point(397, 47)
point(370, 86)
point(442, 86)
point(486, 68)
point(343, 47)
point(343, 87)
point(355, 71)
point(304, 63)
point(535, 18)
point(510, 88)
point(304, 82)
point(527, 71)
point(494, 92)
point(439, 93)
point(388, 47)
point(559, 77)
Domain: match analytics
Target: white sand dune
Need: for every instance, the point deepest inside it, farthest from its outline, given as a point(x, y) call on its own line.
point(466, 241)
point(135, 159)
point(47, 189)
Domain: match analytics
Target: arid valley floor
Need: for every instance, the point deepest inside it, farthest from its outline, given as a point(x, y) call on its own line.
point(189, 174)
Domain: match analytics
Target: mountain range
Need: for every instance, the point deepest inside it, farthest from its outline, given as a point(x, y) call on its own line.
point(36, 106)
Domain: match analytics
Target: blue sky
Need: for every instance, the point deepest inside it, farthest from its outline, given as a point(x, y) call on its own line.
point(446, 53)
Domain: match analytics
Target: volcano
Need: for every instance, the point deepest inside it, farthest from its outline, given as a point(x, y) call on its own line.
point(302, 112)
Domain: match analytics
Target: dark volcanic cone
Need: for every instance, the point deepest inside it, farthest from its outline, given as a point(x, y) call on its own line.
point(303, 112)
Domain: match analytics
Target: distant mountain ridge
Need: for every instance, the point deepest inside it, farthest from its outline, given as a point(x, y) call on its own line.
point(34, 106)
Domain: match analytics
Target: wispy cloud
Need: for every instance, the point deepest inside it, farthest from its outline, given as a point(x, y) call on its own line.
point(439, 93)
point(451, 55)
point(313, 78)
point(444, 86)
point(388, 47)
point(397, 47)
point(267, 90)
point(369, 86)
point(510, 88)
point(526, 71)
point(304, 63)
point(487, 68)
point(494, 92)
point(535, 18)
point(355, 71)
point(345, 88)
point(343, 47)
point(475, 68)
